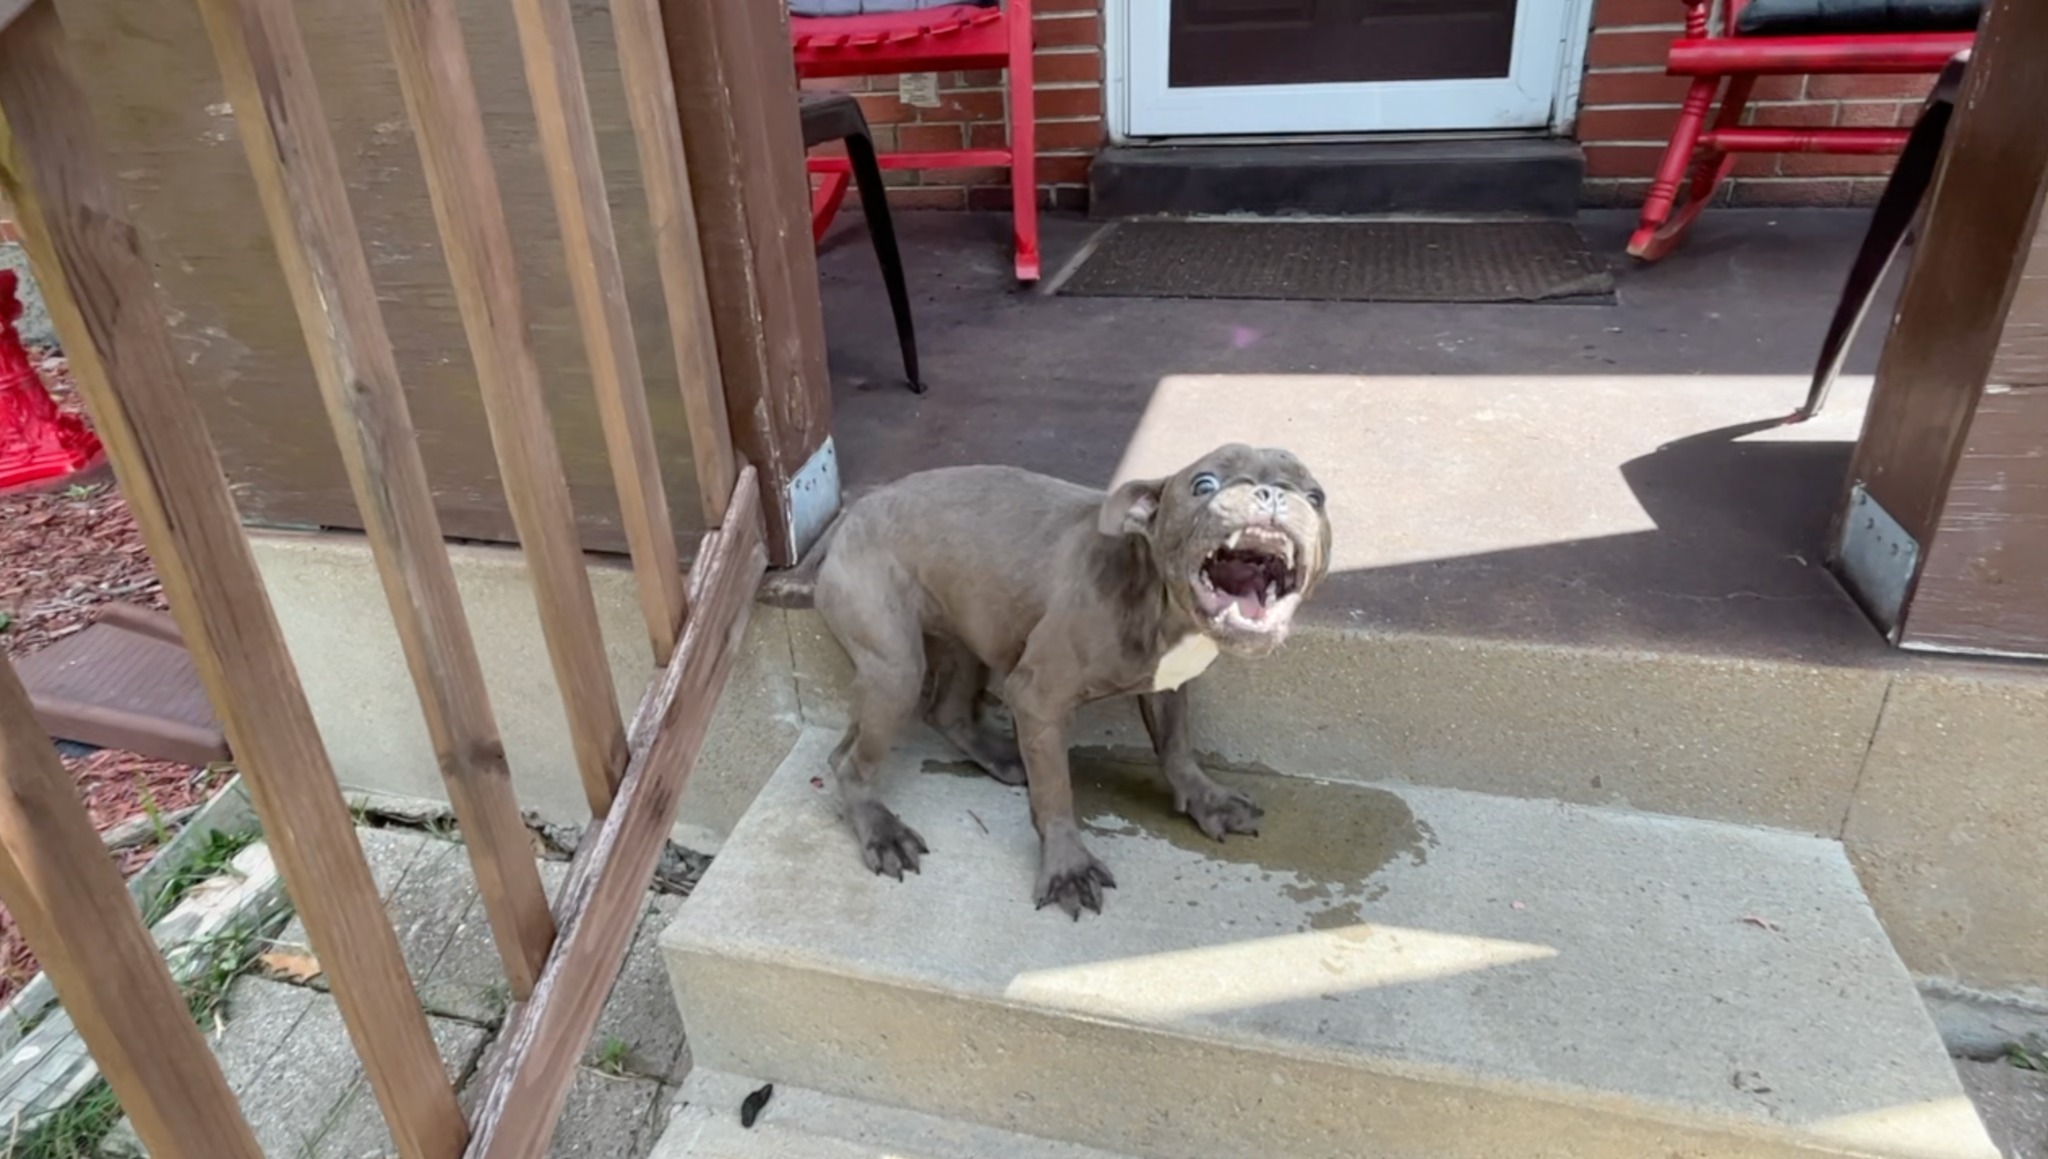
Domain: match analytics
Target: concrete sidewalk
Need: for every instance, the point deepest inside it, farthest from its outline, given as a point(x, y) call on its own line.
point(288, 1057)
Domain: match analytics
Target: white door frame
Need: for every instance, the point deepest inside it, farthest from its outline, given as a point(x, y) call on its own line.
point(1540, 92)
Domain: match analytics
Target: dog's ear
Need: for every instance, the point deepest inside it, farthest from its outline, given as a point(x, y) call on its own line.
point(1130, 508)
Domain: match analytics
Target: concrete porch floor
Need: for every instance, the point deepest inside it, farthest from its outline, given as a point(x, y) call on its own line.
point(1596, 474)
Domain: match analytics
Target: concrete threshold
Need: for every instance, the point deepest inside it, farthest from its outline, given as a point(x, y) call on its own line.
point(1387, 970)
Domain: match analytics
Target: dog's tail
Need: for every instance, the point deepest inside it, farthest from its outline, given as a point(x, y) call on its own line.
point(805, 572)
point(826, 536)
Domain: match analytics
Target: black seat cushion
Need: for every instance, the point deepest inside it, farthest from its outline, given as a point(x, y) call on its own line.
point(1845, 17)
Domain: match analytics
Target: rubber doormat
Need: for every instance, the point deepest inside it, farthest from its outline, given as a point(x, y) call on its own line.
point(125, 682)
point(1343, 261)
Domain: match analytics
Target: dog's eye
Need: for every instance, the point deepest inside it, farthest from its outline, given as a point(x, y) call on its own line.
point(1315, 499)
point(1206, 484)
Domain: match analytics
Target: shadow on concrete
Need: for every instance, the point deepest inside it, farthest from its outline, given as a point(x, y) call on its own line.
point(1732, 566)
point(1064, 385)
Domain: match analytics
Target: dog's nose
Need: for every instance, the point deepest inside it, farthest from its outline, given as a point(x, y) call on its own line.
point(1267, 496)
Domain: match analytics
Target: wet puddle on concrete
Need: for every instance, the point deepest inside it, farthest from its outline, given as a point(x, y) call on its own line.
point(1323, 843)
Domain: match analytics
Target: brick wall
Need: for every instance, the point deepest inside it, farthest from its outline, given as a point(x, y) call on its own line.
point(970, 115)
point(1628, 107)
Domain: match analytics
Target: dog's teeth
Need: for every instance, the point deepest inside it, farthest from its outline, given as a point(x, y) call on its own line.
point(1232, 542)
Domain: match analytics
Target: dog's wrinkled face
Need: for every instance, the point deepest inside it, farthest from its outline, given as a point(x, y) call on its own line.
point(1240, 537)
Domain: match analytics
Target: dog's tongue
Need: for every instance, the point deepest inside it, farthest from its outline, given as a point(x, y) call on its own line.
point(1241, 582)
point(1237, 577)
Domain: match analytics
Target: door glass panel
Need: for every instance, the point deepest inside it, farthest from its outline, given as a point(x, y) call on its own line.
point(1274, 42)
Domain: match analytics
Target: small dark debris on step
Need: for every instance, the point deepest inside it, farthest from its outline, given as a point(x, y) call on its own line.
point(1748, 1082)
point(750, 1107)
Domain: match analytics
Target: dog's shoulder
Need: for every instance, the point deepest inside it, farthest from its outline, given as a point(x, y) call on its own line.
point(986, 481)
point(1005, 500)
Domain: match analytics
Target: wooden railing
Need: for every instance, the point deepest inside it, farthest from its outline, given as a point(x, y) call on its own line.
point(560, 960)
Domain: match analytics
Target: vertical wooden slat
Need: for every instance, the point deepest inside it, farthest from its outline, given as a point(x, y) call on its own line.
point(107, 970)
point(100, 288)
point(568, 145)
point(651, 104)
point(544, 1040)
point(1978, 221)
point(440, 95)
point(736, 95)
point(298, 176)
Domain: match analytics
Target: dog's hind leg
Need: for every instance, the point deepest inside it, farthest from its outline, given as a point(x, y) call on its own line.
point(957, 680)
point(882, 636)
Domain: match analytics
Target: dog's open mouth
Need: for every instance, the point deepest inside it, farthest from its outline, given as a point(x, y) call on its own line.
point(1251, 581)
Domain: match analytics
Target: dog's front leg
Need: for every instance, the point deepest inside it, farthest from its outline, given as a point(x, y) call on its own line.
point(1068, 875)
point(1216, 810)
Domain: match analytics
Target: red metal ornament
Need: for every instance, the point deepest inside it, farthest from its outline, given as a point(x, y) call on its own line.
point(39, 444)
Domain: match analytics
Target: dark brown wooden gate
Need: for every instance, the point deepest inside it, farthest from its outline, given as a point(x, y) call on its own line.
point(729, 100)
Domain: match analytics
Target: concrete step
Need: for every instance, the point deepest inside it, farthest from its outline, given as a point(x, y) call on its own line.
point(1525, 176)
point(1388, 971)
point(799, 1123)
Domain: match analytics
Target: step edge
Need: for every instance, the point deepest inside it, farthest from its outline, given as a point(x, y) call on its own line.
point(896, 1121)
point(1636, 1111)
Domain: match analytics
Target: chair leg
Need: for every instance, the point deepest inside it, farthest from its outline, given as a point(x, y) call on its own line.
point(874, 205)
point(1711, 167)
point(825, 199)
point(1678, 156)
point(830, 194)
point(1897, 208)
point(1023, 145)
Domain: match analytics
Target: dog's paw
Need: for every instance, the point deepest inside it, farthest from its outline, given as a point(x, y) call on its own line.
point(1071, 878)
point(1219, 811)
point(889, 846)
point(1009, 772)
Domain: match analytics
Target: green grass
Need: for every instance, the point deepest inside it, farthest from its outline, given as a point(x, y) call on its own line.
point(72, 1133)
point(78, 1130)
point(214, 857)
point(611, 1056)
point(2026, 1058)
point(150, 809)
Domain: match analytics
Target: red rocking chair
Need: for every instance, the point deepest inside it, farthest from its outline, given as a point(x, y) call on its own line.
point(1783, 37)
point(957, 37)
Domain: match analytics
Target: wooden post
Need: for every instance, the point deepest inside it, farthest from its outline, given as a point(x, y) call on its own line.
point(568, 145)
point(108, 972)
point(1943, 533)
point(651, 103)
point(735, 85)
point(270, 83)
point(100, 288)
point(440, 96)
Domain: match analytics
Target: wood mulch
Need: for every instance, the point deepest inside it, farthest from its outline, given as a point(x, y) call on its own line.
point(64, 553)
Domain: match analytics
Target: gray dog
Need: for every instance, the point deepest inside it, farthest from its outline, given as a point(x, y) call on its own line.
point(1069, 596)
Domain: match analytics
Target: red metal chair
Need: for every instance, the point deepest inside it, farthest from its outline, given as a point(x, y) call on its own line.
point(1748, 44)
point(962, 37)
